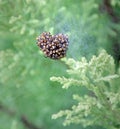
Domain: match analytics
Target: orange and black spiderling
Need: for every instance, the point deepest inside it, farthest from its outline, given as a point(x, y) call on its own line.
point(53, 46)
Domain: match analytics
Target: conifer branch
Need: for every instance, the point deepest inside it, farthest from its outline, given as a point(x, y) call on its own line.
point(23, 118)
point(101, 108)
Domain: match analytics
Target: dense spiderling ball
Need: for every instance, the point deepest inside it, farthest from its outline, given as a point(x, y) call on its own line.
point(53, 46)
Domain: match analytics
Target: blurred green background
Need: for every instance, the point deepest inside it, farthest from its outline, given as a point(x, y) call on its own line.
point(27, 97)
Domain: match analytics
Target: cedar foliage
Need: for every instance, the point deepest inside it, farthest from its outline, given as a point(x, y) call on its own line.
point(100, 105)
point(27, 97)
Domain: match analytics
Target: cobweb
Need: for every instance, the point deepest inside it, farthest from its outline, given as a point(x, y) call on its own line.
point(81, 43)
